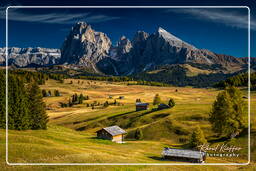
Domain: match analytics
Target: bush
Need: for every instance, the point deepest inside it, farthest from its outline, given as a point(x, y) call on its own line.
point(197, 138)
point(157, 100)
point(171, 103)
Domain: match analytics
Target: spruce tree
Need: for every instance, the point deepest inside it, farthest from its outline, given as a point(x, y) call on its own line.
point(228, 112)
point(44, 93)
point(18, 108)
point(171, 103)
point(38, 116)
point(157, 100)
point(80, 99)
point(138, 134)
point(197, 138)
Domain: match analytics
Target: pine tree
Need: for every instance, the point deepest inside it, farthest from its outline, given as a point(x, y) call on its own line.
point(228, 112)
point(49, 93)
point(44, 93)
point(171, 103)
point(80, 99)
point(56, 93)
point(38, 114)
point(157, 100)
point(197, 138)
point(138, 134)
point(18, 108)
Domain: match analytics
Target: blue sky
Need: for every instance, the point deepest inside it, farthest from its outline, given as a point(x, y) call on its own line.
point(219, 30)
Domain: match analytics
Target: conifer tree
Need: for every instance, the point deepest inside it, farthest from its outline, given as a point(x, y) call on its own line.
point(157, 100)
point(138, 134)
point(171, 103)
point(38, 116)
point(44, 93)
point(18, 109)
point(228, 112)
point(197, 138)
point(56, 93)
point(80, 99)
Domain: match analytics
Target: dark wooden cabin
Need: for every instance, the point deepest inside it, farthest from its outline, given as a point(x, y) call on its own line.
point(141, 106)
point(113, 133)
point(184, 155)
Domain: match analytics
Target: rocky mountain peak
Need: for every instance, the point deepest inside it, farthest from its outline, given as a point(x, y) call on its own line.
point(84, 46)
point(140, 36)
point(173, 40)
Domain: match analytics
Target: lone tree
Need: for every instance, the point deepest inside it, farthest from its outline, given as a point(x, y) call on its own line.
point(44, 93)
point(138, 134)
point(37, 111)
point(157, 100)
point(228, 113)
point(197, 138)
point(56, 93)
point(49, 93)
point(80, 99)
point(171, 103)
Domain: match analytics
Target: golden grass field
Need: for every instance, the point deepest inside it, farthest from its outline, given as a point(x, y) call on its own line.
point(62, 143)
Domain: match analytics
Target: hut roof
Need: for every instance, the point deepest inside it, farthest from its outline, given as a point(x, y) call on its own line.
point(183, 153)
point(141, 104)
point(114, 130)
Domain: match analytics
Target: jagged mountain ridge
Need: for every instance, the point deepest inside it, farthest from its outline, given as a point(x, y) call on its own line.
point(86, 48)
point(24, 57)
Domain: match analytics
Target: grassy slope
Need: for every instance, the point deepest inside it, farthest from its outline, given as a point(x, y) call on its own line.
point(59, 144)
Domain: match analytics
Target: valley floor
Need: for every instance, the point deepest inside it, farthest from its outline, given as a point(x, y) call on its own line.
point(71, 136)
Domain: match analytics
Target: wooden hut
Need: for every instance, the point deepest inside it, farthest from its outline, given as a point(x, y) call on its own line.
point(141, 106)
point(184, 155)
point(113, 133)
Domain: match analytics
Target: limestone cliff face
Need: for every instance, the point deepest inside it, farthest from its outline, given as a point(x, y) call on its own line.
point(24, 57)
point(84, 46)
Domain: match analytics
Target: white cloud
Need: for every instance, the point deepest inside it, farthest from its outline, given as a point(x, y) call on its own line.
point(55, 18)
point(227, 17)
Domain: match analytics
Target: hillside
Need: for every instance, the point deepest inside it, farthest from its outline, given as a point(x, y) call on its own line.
point(71, 132)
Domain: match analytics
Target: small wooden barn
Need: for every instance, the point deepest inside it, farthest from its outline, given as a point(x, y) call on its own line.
point(184, 155)
point(141, 106)
point(163, 106)
point(113, 133)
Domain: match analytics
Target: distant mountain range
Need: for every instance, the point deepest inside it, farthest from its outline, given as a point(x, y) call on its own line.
point(25, 57)
point(85, 48)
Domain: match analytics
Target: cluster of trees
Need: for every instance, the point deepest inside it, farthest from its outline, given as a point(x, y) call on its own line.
point(107, 78)
point(176, 76)
point(75, 99)
point(26, 109)
point(49, 93)
point(105, 104)
point(149, 83)
point(157, 100)
point(228, 114)
point(238, 81)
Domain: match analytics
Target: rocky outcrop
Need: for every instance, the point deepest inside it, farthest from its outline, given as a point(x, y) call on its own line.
point(85, 46)
point(24, 57)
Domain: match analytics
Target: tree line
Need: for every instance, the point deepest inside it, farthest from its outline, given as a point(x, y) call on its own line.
point(26, 109)
point(238, 81)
